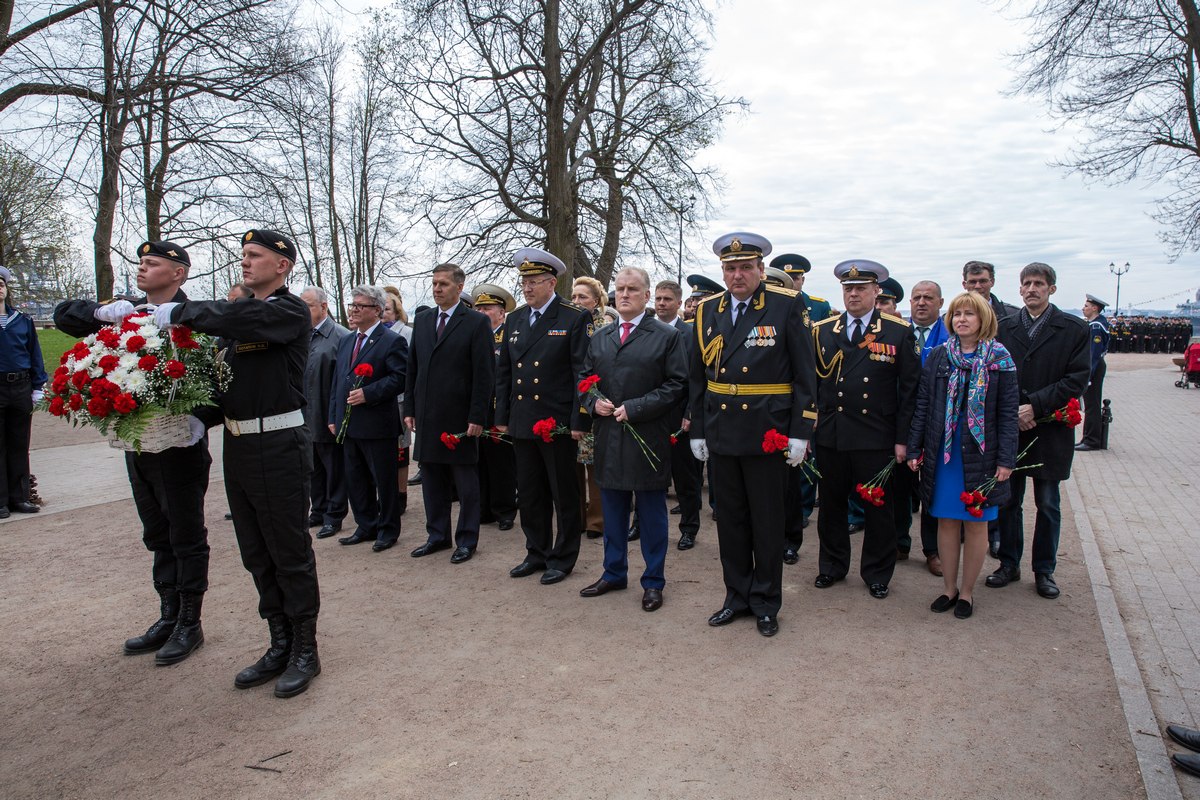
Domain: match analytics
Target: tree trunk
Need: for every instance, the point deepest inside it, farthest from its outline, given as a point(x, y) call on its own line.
point(561, 238)
point(112, 134)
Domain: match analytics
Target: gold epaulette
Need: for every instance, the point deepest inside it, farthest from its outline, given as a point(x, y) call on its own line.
point(826, 320)
point(569, 304)
point(818, 299)
point(781, 290)
point(893, 318)
point(716, 296)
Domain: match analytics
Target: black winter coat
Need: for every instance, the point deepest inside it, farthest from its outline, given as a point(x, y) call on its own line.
point(1000, 433)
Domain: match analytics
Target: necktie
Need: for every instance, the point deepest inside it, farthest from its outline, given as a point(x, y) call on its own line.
point(357, 344)
point(922, 337)
point(441, 323)
point(737, 313)
point(626, 327)
point(858, 329)
point(534, 317)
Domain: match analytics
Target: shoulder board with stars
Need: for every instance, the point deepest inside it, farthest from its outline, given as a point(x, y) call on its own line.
point(712, 297)
point(782, 290)
point(569, 304)
point(893, 318)
point(826, 321)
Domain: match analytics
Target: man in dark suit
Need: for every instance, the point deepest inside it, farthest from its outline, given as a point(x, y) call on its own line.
point(751, 374)
point(1052, 355)
point(642, 367)
point(868, 368)
point(369, 437)
point(328, 489)
point(536, 380)
point(685, 469)
point(925, 305)
point(1093, 312)
point(451, 377)
point(980, 277)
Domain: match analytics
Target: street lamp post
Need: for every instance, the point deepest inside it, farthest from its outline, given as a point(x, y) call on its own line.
point(683, 209)
point(1118, 271)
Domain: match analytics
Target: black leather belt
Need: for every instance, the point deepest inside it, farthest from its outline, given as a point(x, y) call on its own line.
point(14, 377)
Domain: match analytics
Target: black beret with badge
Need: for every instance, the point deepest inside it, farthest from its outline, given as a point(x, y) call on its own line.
point(274, 241)
point(170, 251)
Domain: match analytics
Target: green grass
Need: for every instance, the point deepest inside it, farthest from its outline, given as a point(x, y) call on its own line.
point(54, 343)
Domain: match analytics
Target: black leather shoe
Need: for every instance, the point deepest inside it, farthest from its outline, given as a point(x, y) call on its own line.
point(768, 625)
point(635, 533)
point(901, 555)
point(790, 555)
point(824, 581)
point(943, 603)
point(652, 600)
point(524, 569)
point(878, 590)
point(358, 537)
point(274, 661)
point(429, 547)
point(158, 633)
point(725, 616)
point(1188, 762)
point(1084, 448)
point(381, 545)
point(461, 554)
point(963, 609)
point(24, 507)
point(1188, 737)
point(676, 510)
point(505, 524)
point(1003, 576)
point(415, 480)
point(187, 634)
point(327, 531)
point(601, 587)
point(593, 534)
point(994, 550)
point(314, 521)
point(4, 512)
point(855, 527)
point(553, 576)
point(228, 517)
point(687, 541)
point(1046, 586)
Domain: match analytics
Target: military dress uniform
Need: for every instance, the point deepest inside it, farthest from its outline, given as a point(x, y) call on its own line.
point(867, 389)
point(497, 466)
point(1098, 330)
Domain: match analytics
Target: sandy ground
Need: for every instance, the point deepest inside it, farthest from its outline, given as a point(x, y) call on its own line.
point(445, 681)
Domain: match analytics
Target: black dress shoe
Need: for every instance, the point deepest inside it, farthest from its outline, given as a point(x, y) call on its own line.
point(24, 507)
point(824, 581)
point(415, 480)
point(676, 510)
point(462, 554)
point(429, 547)
point(994, 549)
point(1188, 737)
point(355, 538)
point(768, 625)
point(635, 533)
point(652, 600)
point(505, 524)
point(725, 616)
point(855, 527)
point(878, 590)
point(1046, 586)
point(380, 546)
point(601, 587)
point(553, 576)
point(1003, 576)
point(963, 608)
point(327, 531)
point(593, 534)
point(790, 555)
point(315, 521)
point(687, 541)
point(228, 517)
point(4, 512)
point(1084, 448)
point(943, 603)
point(524, 569)
point(1188, 762)
point(901, 555)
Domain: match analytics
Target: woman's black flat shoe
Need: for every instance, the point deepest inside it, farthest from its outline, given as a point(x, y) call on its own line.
point(943, 603)
point(963, 609)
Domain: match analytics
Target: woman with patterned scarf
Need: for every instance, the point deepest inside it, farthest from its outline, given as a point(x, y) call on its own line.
point(964, 441)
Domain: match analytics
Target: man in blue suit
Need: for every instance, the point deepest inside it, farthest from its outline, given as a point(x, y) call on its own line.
point(370, 436)
point(925, 307)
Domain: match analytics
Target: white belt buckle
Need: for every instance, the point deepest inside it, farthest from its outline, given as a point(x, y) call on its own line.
point(234, 427)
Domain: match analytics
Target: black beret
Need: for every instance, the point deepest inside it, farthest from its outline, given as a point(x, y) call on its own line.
point(791, 262)
point(272, 240)
point(168, 250)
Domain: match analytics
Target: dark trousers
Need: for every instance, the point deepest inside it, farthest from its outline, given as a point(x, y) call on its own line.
point(929, 528)
point(1092, 405)
point(328, 483)
point(841, 471)
point(371, 482)
point(168, 491)
point(497, 481)
point(16, 419)
point(686, 475)
point(750, 530)
point(266, 483)
point(1046, 527)
point(652, 517)
point(906, 489)
point(439, 485)
point(793, 508)
point(546, 483)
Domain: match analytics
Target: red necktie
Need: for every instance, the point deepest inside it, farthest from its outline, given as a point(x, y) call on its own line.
point(625, 328)
point(357, 344)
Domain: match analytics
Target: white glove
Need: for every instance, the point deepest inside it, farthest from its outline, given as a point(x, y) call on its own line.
point(700, 449)
point(196, 429)
point(114, 312)
point(162, 314)
point(795, 452)
point(38, 394)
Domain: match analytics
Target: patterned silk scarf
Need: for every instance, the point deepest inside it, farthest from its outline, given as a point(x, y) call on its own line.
point(969, 377)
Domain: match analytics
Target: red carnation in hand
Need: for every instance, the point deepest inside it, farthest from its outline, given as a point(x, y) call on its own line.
point(545, 429)
point(135, 343)
point(364, 371)
point(181, 337)
point(975, 511)
point(99, 407)
point(147, 363)
point(966, 498)
point(56, 406)
point(978, 497)
point(674, 440)
point(774, 441)
point(74, 402)
point(108, 363)
point(587, 383)
point(174, 369)
point(124, 403)
point(450, 440)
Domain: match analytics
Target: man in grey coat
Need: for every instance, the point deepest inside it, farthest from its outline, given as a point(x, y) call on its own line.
point(642, 367)
point(328, 487)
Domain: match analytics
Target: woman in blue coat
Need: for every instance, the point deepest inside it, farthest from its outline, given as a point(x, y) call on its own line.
point(965, 428)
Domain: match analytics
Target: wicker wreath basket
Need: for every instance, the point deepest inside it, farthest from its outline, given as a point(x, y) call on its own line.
point(162, 433)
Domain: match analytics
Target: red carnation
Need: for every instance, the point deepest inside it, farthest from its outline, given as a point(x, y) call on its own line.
point(975, 511)
point(102, 387)
point(61, 372)
point(74, 402)
point(978, 497)
point(587, 383)
point(99, 407)
point(450, 440)
point(135, 343)
point(674, 440)
point(63, 358)
point(966, 498)
point(128, 326)
point(181, 336)
point(147, 363)
point(59, 384)
point(79, 379)
point(545, 429)
point(174, 369)
point(364, 370)
point(774, 441)
point(56, 406)
point(109, 338)
point(124, 403)
point(108, 363)
point(80, 351)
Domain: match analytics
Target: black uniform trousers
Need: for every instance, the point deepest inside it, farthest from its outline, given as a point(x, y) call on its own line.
point(793, 508)
point(266, 482)
point(1092, 404)
point(16, 420)
point(497, 481)
point(328, 491)
point(546, 484)
point(686, 475)
point(168, 491)
point(905, 488)
point(841, 471)
point(440, 484)
point(372, 482)
point(750, 530)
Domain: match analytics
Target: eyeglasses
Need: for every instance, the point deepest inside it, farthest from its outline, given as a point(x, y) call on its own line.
point(536, 281)
point(360, 306)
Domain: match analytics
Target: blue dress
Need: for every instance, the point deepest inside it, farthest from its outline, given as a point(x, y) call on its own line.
point(948, 478)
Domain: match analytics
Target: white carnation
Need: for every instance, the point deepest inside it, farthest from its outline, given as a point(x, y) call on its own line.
point(154, 341)
point(127, 362)
point(134, 382)
point(148, 330)
point(95, 372)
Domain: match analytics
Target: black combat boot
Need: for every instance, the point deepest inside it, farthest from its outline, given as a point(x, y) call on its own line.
point(304, 665)
point(156, 635)
point(187, 635)
point(274, 661)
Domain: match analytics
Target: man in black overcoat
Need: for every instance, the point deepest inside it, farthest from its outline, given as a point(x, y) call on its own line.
point(1053, 357)
point(451, 377)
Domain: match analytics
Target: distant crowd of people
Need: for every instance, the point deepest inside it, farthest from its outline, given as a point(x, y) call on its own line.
point(1150, 334)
